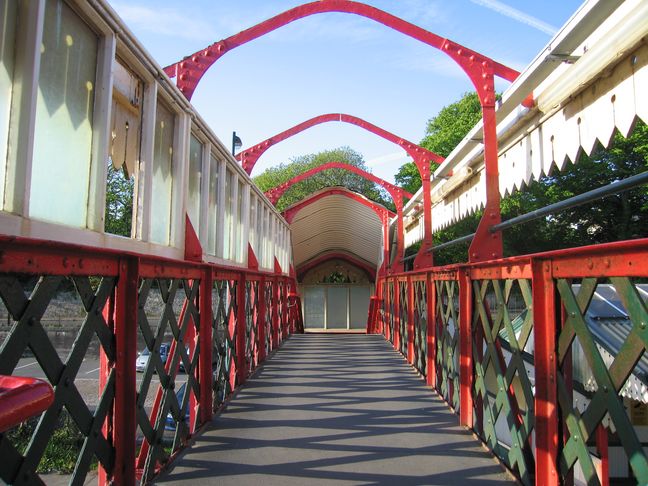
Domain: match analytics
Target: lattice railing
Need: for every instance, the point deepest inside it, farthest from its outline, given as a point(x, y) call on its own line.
point(199, 331)
point(523, 350)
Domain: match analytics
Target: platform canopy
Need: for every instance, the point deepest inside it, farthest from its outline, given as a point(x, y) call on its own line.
point(336, 221)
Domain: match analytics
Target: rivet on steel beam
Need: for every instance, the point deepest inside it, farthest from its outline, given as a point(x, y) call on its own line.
point(642, 325)
point(65, 262)
point(80, 262)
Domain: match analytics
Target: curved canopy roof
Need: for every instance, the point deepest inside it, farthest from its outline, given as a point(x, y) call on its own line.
point(333, 221)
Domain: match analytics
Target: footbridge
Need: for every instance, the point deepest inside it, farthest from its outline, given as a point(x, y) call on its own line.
point(170, 330)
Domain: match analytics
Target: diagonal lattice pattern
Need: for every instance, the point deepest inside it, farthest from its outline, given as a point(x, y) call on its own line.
point(447, 332)
point(224, 331)
point(420, 325)
point(177, 319)
point(251, 324)
point(502, 388)
point(26, 307)
point(609, 379)
point(403, 315)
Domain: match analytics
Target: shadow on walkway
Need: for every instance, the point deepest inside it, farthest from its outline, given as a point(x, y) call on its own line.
point(336, 409)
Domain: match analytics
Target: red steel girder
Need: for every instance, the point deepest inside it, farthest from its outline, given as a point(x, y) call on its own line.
point(250, 156)
point(395, 192)
point(191, 69)
point(22, 398)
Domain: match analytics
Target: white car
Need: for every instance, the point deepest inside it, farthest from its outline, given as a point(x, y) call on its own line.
point(143, 357)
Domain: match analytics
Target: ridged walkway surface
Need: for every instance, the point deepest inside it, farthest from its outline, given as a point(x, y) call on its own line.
point(335, 409)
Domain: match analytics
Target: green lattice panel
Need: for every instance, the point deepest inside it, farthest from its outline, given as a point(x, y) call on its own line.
point(503, 392)
point(175, 314)
point(402, 314)
point(251, 324)
point(609, 380)
point(447, 332)
point(420, 325)
point(391, 311)
point(26, 305)
point(224, 332)
point(269, 299)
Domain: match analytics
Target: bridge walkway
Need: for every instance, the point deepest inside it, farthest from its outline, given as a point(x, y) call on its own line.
point(335, 409)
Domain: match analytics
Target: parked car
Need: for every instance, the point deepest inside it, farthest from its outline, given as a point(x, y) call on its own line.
point(143, 357)
point(170, 423)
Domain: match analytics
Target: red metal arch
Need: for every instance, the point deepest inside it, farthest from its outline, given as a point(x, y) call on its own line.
point(250, 156)
point(395, 192)
point(191, 69)
point(336, 255)
point(479, 68)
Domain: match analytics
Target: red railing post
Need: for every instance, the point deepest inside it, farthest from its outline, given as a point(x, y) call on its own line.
point(396, 297)
point(104, 371)
point(261, 320)
point(465, 349)
point(241, 363)
point(410, 320)
point(430, 367)
point(546, 403)
point(206, 345)
point(124, 423)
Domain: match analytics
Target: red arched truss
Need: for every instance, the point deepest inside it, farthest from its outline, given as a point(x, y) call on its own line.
point(382, 212)
point(250, 156)
point(191, 69)
point(336, 255)
point(396, 192)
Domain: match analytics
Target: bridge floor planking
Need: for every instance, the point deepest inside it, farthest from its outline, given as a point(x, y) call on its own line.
point(336, 409)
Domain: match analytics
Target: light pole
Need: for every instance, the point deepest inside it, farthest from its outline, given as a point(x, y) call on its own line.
point(236, 143)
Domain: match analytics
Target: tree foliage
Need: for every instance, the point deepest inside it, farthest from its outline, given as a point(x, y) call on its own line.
point(119, 202)
point(618, 217)
point(332, 177)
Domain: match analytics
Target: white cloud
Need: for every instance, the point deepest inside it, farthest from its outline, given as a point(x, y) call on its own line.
point(165, 21)
point(517, 15)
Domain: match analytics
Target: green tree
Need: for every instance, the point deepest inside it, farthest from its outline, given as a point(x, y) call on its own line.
point(442, 134)
point(614, 218)
point(332, 177)
point(119, 202)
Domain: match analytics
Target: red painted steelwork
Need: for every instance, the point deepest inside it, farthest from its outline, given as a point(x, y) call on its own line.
point(250, 156)
point(191, 69)
point(22, 398)
point(395, 192)
point(546, 396)
point(336, 255)
point(430, 366)
point(205, 357)
point(465, 351)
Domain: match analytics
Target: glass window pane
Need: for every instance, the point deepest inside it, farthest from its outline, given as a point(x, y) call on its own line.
point(162, 175)
point(253, 216)
point(194, 178)
point(337, 307)
point(314, 307)
point(64, 110)
point(238, 238)
point(8, 20)
point(359, 307)
point(214, 168)
point(227, 230)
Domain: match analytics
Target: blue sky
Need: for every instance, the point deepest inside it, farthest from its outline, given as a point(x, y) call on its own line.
point(330, 63)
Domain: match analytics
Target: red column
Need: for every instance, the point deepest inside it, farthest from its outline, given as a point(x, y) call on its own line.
point(104, 371)
point(410, 320)
point(602, 445)
point(430, 368)
point(546, 402)
point(465, 350)
point(241, 364)
point(396, 297)
point(275, 313)
point(424, 258)
point(124, 422)
point(206, 346)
